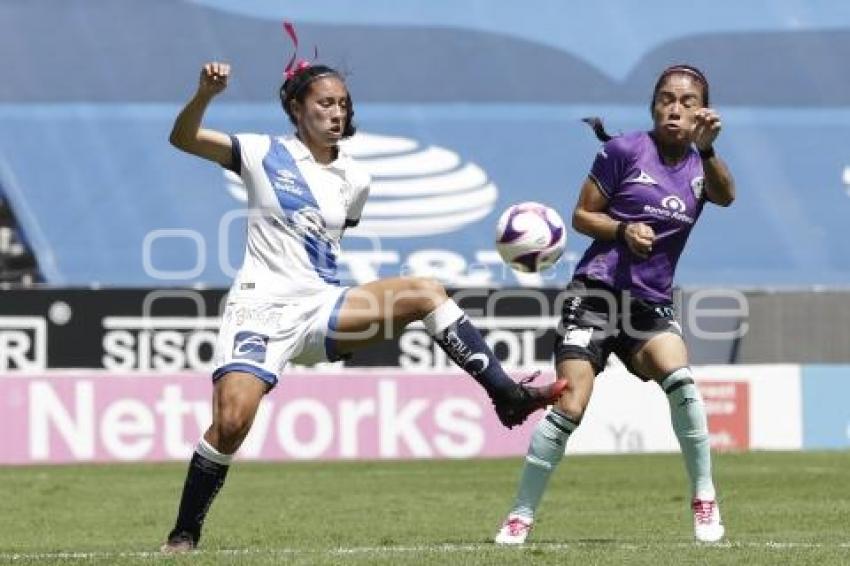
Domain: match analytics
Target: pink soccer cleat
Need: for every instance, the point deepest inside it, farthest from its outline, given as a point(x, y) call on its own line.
point(514, 530)
point(707, 525)
point(526, 399)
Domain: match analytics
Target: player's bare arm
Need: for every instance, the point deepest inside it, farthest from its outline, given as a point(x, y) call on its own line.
point(187, 133)
point(719, 185)
point(591, 219)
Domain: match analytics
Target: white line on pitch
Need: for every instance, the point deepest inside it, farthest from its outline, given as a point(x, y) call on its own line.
point(434, 548)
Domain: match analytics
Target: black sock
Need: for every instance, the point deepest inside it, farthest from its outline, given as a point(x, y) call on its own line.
point(203, 481)
point(465, 346)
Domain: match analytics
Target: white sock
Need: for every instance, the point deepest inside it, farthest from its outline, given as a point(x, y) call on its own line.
point(687, 411)
point(544, 454)
point(207, 450)
point(442, 317)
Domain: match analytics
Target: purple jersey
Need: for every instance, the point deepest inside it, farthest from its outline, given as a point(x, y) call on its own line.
point(641, 188)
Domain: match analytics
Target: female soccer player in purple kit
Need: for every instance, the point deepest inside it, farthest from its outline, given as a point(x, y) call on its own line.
point(644, 193)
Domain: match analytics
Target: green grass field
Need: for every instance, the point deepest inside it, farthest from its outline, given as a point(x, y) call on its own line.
point(779, 508)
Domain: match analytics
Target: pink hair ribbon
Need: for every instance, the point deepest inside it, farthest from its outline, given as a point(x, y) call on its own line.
point(292, 68)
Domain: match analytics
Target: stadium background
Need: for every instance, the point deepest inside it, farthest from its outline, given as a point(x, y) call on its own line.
point(115, 249)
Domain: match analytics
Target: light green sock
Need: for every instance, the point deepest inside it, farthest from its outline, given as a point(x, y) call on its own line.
point(544, 453)
point(687, 411)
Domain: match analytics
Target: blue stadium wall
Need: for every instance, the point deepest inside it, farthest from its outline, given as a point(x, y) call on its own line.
point(476, 104)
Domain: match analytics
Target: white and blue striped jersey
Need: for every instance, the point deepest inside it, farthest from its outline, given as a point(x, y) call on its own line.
point(298, 210)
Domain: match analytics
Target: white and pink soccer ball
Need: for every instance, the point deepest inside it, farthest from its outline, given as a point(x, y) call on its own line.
point(530, 236)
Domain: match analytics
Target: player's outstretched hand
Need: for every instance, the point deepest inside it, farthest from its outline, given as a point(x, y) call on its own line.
point(213, 78)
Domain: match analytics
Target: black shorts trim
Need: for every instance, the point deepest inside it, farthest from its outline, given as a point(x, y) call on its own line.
point(576, 353)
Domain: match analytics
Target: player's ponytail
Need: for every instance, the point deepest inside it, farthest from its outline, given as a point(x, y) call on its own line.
point(598, 127)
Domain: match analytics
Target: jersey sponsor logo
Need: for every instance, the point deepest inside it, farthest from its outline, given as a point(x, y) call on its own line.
point(286, 181)
point(672, 207)
point(291, 189)
point(644, 179)
point(673, 203)
point(250, 346)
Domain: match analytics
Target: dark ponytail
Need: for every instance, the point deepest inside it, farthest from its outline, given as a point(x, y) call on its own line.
point(598, 127)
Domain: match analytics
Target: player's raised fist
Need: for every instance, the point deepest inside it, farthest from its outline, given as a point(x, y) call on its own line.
point(213, 78)
point(707, 127)
point(639, 238)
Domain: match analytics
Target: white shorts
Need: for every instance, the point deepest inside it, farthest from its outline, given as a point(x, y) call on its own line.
point(261, 337)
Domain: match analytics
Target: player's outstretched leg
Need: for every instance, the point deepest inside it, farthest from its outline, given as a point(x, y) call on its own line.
point(236, 397)
point(371, 310)
point(544, 454)
point(464, 345)
point(687, 412)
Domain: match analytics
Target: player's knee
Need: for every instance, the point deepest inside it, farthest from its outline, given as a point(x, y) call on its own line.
point(427, 293)
point(572, 406)
point(232, 426)
point(428, 286)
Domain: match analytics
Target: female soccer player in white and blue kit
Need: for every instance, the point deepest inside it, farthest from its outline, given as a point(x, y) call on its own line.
point(286, 303)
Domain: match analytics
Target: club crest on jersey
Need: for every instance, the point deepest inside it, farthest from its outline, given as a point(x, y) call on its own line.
point(286, 181)
point(698, 186)
point(644, 179)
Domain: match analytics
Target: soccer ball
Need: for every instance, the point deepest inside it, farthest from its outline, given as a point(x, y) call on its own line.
point(530, 236)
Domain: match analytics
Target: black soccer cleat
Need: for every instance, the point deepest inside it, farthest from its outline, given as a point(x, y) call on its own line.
point(179, 543)
point(525, 399)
